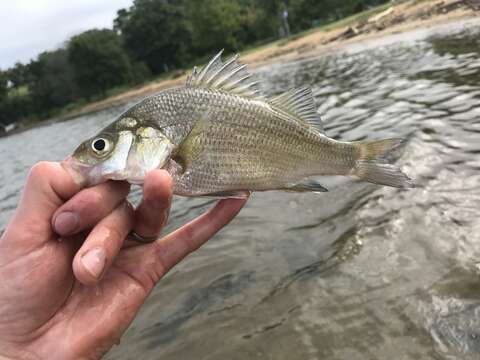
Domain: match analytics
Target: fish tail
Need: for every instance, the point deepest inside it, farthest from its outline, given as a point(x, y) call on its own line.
point(373, 165)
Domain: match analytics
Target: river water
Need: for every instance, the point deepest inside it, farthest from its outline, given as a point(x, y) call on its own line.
point(360, 272)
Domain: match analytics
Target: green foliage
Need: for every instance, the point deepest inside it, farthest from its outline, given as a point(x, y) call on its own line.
point(3, 85)
point(51, 81)
point(140, 72)
point(217, 24)
point(269, 16)
point(18, 75)
point(156, 32)
point(99, 61)
point(305, 13)
point(14, 108)
point(119, 23)
point(262, 20)
point(150, 38)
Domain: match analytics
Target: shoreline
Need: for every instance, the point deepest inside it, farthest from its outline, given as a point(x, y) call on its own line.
point(377, 23)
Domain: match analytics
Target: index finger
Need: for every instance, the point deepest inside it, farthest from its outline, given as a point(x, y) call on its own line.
point(87, 207)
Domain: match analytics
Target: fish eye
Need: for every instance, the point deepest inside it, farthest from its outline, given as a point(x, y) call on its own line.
point(100, 146)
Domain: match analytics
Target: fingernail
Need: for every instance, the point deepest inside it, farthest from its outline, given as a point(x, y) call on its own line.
point(66, 223)
point(94, 261)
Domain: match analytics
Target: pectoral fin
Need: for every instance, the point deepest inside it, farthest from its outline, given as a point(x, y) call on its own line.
point(191, 148)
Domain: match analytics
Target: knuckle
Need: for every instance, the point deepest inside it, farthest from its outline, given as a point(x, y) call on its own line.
point(129, 209)
point(164, 218)
point(129, 213)
point(157, 198)
point(113, 233)
point(151, 225)
point(161, 267)
point(190, 239)
point(90, 199)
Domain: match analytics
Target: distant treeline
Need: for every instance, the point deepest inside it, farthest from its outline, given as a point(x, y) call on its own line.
point(150, 38)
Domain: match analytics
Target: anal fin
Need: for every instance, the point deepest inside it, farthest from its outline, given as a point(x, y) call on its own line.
point(306, 186)
point(230, 194)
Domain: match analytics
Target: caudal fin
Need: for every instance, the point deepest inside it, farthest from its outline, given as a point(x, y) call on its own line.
point(373, 166)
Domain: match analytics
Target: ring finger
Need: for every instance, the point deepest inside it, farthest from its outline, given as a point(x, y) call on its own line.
point(103, 244)
point(152, 213)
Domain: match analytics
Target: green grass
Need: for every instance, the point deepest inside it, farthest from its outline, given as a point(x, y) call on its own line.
point(359, 17)
point(17, 92)
point(347, 21)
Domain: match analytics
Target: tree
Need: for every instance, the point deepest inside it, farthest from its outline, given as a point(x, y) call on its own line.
point(121, 20)
point(156, 32)
point(305, 12)
point(269, 19)
point(51, 82)
point(217, 24)
point(3, 85)
point(18, 75)
point(99, 61)
point(12, 107)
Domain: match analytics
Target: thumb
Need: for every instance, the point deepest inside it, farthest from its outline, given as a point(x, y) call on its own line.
point(48, 186)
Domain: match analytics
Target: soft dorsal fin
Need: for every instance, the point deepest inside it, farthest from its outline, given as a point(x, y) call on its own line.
point(299, 103)
point(230, 76)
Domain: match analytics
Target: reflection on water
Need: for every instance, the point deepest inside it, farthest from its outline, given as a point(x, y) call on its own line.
point(361, 272)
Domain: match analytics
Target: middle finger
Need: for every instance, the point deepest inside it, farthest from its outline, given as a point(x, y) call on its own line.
point(102, 245)
point(88, 207)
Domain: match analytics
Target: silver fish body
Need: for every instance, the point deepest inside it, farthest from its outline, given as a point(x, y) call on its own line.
point(220, 137)
point(226, 143)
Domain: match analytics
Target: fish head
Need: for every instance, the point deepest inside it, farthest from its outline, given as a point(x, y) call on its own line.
point(125, 150)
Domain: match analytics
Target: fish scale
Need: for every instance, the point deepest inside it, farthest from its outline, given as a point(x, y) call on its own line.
point(246, 145)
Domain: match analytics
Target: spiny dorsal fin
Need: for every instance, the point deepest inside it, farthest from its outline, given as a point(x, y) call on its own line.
point(299, 103)
point(230, 76)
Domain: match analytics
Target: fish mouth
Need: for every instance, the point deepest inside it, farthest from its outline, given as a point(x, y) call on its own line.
point(80, 172)
point(87, 175)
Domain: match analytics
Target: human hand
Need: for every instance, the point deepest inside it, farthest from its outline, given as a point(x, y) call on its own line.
point(70, 285)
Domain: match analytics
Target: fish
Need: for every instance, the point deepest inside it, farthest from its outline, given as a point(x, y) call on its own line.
point(219, 136)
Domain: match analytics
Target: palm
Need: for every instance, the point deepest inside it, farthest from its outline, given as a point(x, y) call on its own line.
point(48, 306)
point(102, 312)
point(49, 280)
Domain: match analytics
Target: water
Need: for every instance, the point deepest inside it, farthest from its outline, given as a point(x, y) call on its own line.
point(361, 272)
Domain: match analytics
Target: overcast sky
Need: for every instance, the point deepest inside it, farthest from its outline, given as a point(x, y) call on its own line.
point(28, 27)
